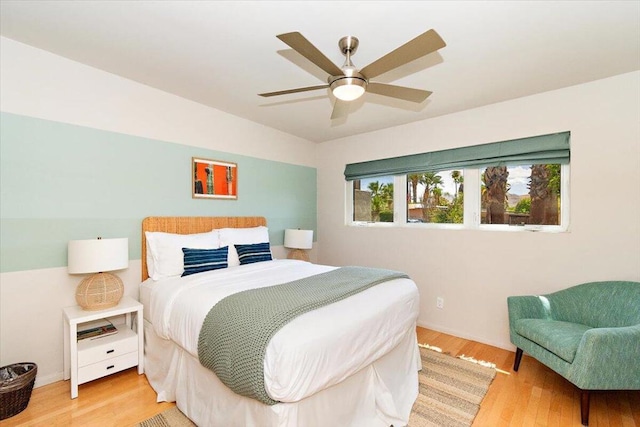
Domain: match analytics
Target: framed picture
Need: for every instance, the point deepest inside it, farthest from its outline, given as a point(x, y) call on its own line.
point(214, 179)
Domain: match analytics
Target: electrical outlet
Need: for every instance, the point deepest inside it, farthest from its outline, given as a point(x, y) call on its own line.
point(440, 302)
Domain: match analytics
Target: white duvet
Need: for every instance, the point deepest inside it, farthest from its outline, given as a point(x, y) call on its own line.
point(314, 351)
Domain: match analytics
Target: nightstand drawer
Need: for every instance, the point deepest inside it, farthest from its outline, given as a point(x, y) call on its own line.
point(98, 349)
point(107, 367)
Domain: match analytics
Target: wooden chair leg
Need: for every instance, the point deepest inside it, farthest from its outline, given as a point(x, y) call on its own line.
point(584, 407)
point(516, 363)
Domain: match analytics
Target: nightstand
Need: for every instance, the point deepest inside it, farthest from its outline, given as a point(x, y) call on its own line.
point(94, 358)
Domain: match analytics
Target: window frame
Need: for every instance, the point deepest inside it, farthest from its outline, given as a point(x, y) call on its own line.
point(472, 208)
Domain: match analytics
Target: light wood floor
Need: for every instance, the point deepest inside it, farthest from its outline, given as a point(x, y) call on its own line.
point(535, 396)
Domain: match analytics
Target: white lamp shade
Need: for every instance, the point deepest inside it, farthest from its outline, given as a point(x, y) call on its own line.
point(97, 255)
point(298, 239)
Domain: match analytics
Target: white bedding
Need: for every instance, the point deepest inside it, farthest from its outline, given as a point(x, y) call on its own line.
point(363, 327)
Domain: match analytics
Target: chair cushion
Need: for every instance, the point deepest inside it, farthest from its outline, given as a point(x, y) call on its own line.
point(560, 338)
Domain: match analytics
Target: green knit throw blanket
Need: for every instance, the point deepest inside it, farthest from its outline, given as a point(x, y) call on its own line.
point(236, 331)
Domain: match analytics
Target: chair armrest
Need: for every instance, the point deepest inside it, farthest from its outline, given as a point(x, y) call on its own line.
point(608, 359)
point(527, 307)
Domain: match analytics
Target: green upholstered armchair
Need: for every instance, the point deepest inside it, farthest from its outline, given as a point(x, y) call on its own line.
point(589, 334)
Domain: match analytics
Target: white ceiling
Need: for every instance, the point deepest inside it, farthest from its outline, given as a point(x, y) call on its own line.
point(222, 54)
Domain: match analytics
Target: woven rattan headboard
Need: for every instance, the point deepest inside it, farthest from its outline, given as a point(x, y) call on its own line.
point(191, 225)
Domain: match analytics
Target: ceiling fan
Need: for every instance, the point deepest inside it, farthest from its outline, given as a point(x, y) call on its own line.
point(348, 83)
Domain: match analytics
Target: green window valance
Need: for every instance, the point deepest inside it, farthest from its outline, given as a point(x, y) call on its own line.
point(542, 149)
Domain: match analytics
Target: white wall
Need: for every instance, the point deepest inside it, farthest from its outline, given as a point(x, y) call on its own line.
point(476, 270)
point(39, 84)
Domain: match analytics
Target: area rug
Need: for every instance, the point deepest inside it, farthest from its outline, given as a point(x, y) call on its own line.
point(169, 418)
point(451, 390)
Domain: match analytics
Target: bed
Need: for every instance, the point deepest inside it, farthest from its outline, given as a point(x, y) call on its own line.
point(353, 362)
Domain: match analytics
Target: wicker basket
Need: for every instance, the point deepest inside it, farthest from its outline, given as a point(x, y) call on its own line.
point(16, 384)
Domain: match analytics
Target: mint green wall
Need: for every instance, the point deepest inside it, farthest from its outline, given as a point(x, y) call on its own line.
point(62, 182)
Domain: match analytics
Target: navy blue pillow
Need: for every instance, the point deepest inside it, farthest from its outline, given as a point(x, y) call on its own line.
point(249, 254)
point(199, 260)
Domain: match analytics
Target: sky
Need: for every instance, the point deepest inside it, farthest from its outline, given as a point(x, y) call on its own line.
point(519, 179)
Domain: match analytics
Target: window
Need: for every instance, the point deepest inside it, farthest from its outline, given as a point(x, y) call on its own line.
point(373, 199)
point(521, 195)
point(435, 197)
point(523, 182)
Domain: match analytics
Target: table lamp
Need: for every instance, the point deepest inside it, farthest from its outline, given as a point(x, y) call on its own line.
point(101, 290)
point(299, 241)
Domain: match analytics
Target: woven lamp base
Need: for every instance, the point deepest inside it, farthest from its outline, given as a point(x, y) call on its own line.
point(299, 254)
point(99, 291)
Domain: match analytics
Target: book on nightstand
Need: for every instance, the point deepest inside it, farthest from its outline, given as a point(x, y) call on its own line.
point(96, 329)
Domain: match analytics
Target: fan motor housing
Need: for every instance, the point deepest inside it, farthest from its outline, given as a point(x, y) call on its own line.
point(345, 80)
point(350, 74)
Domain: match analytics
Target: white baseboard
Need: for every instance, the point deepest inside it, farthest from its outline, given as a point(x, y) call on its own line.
point(47, 379)
point(439, 328)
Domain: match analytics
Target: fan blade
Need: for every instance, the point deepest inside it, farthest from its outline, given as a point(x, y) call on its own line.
point(400, 92)
point(304, 47)
point(340, 109)
point(300, 89)
point(420, 46)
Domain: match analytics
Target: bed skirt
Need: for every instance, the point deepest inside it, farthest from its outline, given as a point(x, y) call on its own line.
point(381, 394)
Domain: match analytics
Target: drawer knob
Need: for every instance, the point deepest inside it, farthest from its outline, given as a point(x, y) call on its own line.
point(110, 351)
point(111, 367)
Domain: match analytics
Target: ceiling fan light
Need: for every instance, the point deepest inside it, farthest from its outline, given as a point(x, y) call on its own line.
point(348, 88)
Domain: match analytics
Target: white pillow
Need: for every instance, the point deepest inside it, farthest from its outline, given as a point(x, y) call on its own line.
point(150, 268)
point(241, 236)
point(166, 251)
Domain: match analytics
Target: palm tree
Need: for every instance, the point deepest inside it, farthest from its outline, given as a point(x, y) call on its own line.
point(544, 189)
point(414, 179)
point(495, 193)
point(376, 201)
point(430, 181)
point(457, 179)
point(437, 195)
point(387, 201)
point(374, 187)
point(381, 198)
